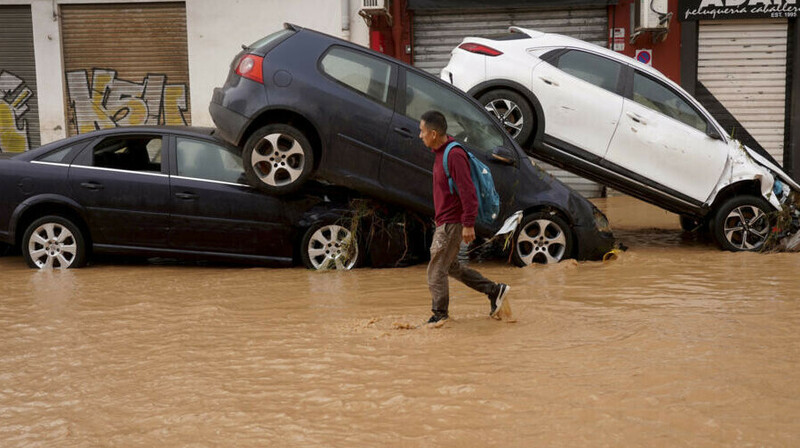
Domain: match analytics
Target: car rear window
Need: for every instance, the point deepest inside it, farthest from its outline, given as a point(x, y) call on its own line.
point(506, 36)
point(264, 41)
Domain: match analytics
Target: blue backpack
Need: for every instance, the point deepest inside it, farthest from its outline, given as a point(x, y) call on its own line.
point(488, 199)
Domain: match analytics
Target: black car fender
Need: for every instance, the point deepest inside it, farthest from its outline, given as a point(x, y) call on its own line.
point(41, 205)
point(522, 90)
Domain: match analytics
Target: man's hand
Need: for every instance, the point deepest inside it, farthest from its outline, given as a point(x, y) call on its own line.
point(468, 234)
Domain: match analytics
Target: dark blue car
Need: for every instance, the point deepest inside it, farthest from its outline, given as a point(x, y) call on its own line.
point(305, 105)
point(173, 192)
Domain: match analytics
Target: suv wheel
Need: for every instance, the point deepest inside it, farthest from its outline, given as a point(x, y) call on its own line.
point(542, 238)
point(329, 245)
point(513, 112)
point(53, 242)
point(277, 159)
point(742, 223)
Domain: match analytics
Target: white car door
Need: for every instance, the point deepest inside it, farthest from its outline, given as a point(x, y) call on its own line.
point(661, 137)
point(579, 94)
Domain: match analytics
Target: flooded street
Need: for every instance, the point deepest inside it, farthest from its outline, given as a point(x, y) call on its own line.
point(675, 343)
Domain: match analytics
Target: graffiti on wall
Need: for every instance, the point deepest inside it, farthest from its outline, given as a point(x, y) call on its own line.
point(109, 102)
point(14, 97)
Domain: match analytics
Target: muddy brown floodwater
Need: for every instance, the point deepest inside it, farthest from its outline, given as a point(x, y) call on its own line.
point(673, 344)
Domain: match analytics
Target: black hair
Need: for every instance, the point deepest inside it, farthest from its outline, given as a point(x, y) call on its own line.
point(435, 121)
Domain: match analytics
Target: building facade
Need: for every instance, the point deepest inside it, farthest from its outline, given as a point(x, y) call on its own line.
point(738, 57)
point(72, 66)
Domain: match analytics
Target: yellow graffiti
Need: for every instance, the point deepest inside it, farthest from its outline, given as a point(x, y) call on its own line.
point(12, 139)
point(174, 105)
point(14, 96)
point(112, 102)
point(100, 83)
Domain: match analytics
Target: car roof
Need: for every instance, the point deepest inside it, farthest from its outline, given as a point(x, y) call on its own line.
point(539, 39)
point(193, 131)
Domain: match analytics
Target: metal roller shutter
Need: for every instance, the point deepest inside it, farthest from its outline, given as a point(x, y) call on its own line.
point(125, 64)
point(19, 108)
point(742, 64)
point(436, 34)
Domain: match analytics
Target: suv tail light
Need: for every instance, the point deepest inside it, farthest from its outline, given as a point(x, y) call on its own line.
point(250, 67)
point(480, 49)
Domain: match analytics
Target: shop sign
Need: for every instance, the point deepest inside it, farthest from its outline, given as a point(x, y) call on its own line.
point(736, 9)
point(617, 36)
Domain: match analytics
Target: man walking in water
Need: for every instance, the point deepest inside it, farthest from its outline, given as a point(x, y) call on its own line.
point(455, 221)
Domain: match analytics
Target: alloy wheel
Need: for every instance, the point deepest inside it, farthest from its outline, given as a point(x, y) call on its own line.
point(52, 245)
point(541, 241)
point(278, 159)
point(746, 227)
point(509, 114)
point(332, 247)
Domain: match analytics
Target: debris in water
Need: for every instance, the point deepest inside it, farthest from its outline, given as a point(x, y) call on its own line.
point(612, 255)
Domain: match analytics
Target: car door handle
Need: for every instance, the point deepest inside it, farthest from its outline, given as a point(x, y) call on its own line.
point(637, 118)
point(404, 132)
point(92, 185)
point(549, 81)
point(186, 196)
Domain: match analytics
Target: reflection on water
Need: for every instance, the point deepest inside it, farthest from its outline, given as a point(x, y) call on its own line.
point(675, 343)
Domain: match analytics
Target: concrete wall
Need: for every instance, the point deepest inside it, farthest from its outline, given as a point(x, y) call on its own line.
point(216, 30)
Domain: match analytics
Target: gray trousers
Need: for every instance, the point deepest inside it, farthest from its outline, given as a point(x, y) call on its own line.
point(444, 262)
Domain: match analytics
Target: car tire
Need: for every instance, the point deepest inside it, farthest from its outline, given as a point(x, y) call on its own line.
point(53, 242)
point(542, 237)
point(278, 159)
point(691, 224)
point(743, 223)
point(329, 244)
point(513, 112)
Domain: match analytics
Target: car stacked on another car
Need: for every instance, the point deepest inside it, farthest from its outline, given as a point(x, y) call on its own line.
point(305, 105)
point(621, 123)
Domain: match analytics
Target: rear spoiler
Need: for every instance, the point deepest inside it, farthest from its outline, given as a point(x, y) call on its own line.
point(531, 33)
point(291, 26)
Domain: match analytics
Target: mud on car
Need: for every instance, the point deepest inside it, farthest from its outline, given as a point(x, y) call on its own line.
point(308, 106)
point(621, 123)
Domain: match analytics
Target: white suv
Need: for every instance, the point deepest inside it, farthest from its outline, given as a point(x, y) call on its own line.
point(612, 119)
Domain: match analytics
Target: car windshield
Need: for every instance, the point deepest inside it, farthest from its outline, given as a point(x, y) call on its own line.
point(465, 122)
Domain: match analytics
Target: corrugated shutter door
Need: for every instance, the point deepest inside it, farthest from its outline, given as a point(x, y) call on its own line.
point(19, 107)
point(436, 34)
point(742, 63)
point(125, 64)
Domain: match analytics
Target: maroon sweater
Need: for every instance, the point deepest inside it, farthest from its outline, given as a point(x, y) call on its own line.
point(462, 205)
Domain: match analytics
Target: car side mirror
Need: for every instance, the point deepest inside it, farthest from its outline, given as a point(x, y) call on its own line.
point(503, 155)
point(713, 133)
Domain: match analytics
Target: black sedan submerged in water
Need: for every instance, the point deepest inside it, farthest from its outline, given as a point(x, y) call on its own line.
point(174, 193)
